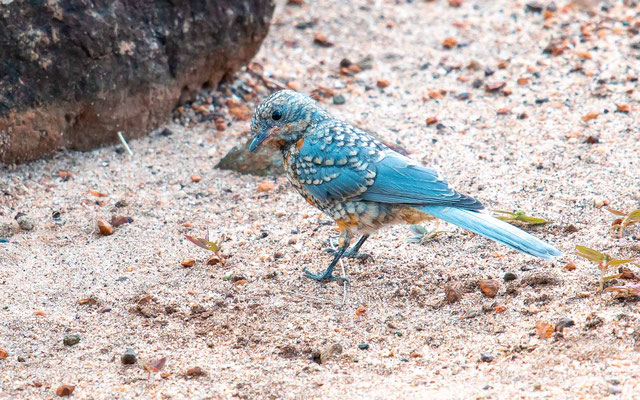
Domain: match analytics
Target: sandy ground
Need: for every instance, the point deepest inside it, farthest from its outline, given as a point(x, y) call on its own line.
point(255, 325)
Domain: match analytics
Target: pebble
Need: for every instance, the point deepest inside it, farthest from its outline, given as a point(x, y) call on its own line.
point(104, 227)
point(329, 352)
point(25, 223)
point(509, 276)
point(614, 390)
point(195, 372)
point(363, 346)
point(65, 390)
point(129, 357)
point(71, 340)
point(339, 100)
point(564, 323)
point(489, 287)
point(166, 132)
point(4, 240)
point(486, 357)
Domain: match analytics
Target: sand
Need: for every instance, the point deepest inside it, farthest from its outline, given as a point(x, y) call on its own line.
point(255, 326)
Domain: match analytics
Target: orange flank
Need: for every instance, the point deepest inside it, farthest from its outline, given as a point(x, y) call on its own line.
point(413, 216)
point(299, 143)
point(309, 201)
point(346, 223)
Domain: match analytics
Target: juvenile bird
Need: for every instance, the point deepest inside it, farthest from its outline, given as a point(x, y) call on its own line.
point(363, 184)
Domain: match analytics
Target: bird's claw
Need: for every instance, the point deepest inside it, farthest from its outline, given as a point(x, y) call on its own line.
point(323, 277)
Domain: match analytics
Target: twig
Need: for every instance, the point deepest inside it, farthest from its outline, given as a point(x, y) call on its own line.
point(124, 143)
point(268, 82)
point(344, 275)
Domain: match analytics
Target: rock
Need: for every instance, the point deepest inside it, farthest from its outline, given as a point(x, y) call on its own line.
point(339, 100)
point(166, 132)
point(363, 346)
point(65, 390)
point(76, 72)
point(188, 262)
point(486, 357)
point(195, 372)
point(329, 352)
point(71, 340)
point(263, 162)
point(25, 223)
point(564, 323)
point(489, 287)
point(452, 293)
point(614, 390)
point(509, 276)
point(104, 227)
point(535, 6)
point(129, 357)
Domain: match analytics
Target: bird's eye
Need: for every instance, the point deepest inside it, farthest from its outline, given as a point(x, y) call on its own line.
point(276, 115)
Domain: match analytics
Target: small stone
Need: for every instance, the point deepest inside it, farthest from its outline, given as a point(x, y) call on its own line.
point(265, 186)
point(65, 390)
point(104, 227)
point(383, 83)
point(623, 108)
point(488, 71)
point(489, 287)
point(452, 293)
point(188, 262)
point(365, 63)
point(166, 132)
point(25, 223)
point(363, 346)
point(495, 86)
point(509, 276)
point(449, 43)
point(195, 372)
point(345, 63)
point(129, 357)
point(71, 340)
point(477, 84)
point(598, 203)
point(321, 40)
point(614, 390)
point(330, 352)
point(486, 357)
point(339, 100)
point(592, 140)
point(564, 323)
point(571, 266)
point(432, 120)
point(196, 178)
point(535, 6)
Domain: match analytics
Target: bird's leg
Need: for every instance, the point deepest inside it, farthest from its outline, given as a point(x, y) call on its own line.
point(328, 273)
point(353, 252)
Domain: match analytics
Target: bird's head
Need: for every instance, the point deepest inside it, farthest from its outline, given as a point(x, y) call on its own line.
point(282, 118)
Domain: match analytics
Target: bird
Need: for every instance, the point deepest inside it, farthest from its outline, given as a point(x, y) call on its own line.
point(365, 185)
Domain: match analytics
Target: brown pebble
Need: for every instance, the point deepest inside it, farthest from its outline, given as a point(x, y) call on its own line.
point(116, 221)
point(196, 178)
point(432, 120)
point(544, 330)
point(65, 390)
point(590, 116)
point(321, 40)
point(495, 86)
point(489, 287)
point(214, 260)
point(571, 266)
point(455, 3)
point(195, 371)
point(382, 83)
point(188, 262)
point(452, 293)
point(104, 227)
point(65, 176)
point(265, 186)
point(449, 43)
point(624, 108)
point(3, 354)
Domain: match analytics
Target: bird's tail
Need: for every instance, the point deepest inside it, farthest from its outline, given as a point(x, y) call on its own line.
point(494, 229)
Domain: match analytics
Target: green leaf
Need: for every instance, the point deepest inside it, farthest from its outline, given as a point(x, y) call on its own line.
point(505, 212)
point(618, 262)
point(590, 254)
point(532, 220)
point(608, 278)
point(634, 214)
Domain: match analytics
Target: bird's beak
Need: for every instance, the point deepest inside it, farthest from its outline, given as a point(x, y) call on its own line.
point(261, 137)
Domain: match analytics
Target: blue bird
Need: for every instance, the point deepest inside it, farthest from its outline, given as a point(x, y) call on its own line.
point(363, 184)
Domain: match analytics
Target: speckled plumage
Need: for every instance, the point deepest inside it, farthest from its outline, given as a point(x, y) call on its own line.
point(360, 182)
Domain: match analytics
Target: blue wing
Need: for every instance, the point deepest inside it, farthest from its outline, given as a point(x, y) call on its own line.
point(401, 180)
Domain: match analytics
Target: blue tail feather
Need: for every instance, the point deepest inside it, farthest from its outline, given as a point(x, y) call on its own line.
point(494, 229)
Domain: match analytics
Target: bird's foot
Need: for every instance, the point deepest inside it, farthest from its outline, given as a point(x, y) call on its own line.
point(351, 254)
point(327, 276)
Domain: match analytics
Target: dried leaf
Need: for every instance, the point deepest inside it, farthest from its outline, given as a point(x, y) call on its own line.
point(204, 243)
point(589, 254)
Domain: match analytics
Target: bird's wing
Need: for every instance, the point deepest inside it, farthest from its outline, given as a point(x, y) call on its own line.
point(401, 180)
point(336, 171)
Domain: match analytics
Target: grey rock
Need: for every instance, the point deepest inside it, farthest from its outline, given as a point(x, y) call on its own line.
point(265, 161)
point(129, 357)
point(71, 340)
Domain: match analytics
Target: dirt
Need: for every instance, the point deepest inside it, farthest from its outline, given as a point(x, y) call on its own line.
point(255, 327)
